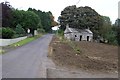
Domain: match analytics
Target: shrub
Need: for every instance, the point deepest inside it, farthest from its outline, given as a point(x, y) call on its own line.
point(40, 30)
point(7, 33)
point(19, 31)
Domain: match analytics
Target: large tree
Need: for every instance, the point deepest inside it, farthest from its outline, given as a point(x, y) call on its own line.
point(81, 17)
point(117, 22)
point(46, 19)
point(27, 19)
point(106, 28)
point(117, 28)
point(6, 14)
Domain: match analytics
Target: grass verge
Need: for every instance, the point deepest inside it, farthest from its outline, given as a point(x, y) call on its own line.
point(20, 43)
point(25, 41)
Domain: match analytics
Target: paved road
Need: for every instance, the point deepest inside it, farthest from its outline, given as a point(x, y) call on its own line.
point(29, 61)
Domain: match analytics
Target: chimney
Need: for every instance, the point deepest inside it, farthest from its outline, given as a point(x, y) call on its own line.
point(67, 26)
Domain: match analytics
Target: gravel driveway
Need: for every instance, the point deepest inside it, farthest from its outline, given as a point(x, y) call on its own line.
point(29, 61)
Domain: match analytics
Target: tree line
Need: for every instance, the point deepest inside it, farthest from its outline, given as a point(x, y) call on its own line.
point(86, 17)
point(17, 22)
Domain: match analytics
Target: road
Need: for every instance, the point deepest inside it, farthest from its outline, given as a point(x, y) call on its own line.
point(29, 61)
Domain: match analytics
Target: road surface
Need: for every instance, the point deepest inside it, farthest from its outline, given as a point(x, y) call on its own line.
point(29, 61)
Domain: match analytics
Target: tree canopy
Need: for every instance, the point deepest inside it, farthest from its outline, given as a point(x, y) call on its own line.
point(81, 17)
point(47, 19)
point(6, 14)
point(31, 19)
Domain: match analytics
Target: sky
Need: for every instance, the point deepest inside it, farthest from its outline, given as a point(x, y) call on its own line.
point(103, 7)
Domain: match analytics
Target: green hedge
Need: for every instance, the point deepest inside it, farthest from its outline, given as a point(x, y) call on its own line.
point(7, 33)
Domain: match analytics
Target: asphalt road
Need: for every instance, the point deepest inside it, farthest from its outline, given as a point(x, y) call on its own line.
point(29, 61)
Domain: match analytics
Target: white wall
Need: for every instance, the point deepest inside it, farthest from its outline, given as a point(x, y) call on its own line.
point(5, 42)
point(84, 36)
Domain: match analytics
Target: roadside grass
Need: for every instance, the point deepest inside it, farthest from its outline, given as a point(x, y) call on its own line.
point(20, 43)
point(25, 41)
point(1, 51)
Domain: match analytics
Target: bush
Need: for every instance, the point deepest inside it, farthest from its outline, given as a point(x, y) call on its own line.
point(40, 30)
point(19, 31)
point(7, 33)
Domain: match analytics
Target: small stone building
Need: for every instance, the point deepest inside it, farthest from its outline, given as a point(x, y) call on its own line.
point(78, 34)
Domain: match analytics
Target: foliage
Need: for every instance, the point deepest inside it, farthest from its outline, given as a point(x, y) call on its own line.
point(117, 22)
point(7, 33)
point(107, 31)
point(40, 30)
point(117, 29)
point(19, 30)
point(106, 28)
point(81, 17)
point(27, 19)
point(118, 36)
point(47, 19)
point(60, 32)
point(25, 41)
point(6, 14)
point(30, 19)
point(53, 23)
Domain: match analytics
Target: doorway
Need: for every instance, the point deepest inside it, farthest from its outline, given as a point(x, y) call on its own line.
point(80, 37)
point(87, 38)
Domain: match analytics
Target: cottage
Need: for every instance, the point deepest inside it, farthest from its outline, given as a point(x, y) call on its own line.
point(78, 34)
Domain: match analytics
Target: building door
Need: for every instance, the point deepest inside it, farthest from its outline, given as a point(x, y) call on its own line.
point(80, 37)
point(87, 38)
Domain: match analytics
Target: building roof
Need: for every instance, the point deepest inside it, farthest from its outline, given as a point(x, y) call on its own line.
point(75, 30)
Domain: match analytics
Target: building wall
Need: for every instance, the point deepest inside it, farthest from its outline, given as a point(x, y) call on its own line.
point(71, 36)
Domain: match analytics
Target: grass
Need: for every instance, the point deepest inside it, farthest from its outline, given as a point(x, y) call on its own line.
point(20, 43)
point(1, 51)
point(25, 41)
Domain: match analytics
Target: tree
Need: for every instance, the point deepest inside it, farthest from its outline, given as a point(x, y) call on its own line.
point(117, 22)
point(108, 31)
point(27, 19)
point(117, 29)
point(106, 28)
point(53, 23)
point(82, 18)
point(19, 31)
point(47, 19)
point(6, 14)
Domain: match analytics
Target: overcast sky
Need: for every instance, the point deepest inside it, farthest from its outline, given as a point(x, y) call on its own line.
point(103, 7)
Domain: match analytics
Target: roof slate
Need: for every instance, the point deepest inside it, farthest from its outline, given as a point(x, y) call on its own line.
point(74, 30)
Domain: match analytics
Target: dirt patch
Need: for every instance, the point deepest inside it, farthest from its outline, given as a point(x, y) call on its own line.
point(92, 56)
